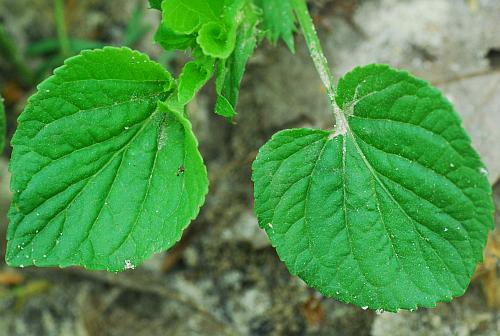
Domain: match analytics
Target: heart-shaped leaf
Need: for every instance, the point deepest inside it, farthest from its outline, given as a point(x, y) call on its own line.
point(392, 209)
point(103, 175)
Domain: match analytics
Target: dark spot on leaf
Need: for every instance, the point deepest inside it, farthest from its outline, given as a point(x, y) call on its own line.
point(180, 171)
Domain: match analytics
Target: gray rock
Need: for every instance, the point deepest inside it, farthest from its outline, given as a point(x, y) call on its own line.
point(246, 229)
point(477, 99)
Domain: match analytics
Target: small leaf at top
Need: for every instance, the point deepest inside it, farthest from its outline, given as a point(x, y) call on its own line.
point(230, 71)
point(186, 17)
point(216, 39)
point(390, 211)
point(3, 126)
point(224, 108)
point(170, 40)
point(103, 175)
point(194, 75)
point(278, 21)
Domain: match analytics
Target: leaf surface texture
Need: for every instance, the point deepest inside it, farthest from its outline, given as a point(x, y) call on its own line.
point(103, 173)
point(391, 213)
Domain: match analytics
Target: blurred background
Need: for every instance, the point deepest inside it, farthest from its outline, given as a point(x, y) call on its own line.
point(224, 278)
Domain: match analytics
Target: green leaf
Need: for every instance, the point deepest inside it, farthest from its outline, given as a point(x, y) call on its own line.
point(232, 15)
point(194, 75)
point(3, 126)
point(390, 211)
point(186, 17)
point(216, 40)
point(103, 175)
point(224, 108)
point(155, 4)
point(231, 71)
point(278, 21)
point(170, 40)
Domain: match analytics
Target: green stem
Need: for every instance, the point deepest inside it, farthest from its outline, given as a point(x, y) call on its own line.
point(318, 57)
point(61, 28)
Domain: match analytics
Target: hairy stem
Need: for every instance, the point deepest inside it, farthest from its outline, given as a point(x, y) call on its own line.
point(318, 57)
point(61, 27)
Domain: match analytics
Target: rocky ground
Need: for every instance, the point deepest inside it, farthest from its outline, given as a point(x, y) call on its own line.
point(223, 278)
